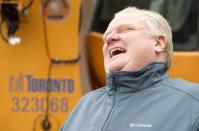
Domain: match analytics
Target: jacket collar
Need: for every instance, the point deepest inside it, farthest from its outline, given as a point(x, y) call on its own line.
point(125, 81)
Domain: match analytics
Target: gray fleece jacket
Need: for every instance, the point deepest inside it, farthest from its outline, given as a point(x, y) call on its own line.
point(145, 100)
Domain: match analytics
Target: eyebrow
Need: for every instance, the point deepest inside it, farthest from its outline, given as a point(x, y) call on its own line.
point(118, 27)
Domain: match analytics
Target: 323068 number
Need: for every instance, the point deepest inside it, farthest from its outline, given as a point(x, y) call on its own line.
point(35, 104)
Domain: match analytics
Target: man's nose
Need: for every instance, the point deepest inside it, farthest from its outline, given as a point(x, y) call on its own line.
point(112, 37)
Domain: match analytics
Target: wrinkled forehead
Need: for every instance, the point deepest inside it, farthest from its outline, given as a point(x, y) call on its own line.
point(129, 18)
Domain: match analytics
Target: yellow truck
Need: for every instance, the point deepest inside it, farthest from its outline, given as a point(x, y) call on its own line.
point(51, 54)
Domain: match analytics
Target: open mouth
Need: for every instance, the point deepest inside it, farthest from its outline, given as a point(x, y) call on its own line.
point(116, 51)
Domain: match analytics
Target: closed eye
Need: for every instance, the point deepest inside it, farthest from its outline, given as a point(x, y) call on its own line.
point(125, 28)
point(120, 29)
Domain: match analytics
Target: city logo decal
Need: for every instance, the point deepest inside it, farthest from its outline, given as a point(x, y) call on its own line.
point(33, 84)
point(22, 84)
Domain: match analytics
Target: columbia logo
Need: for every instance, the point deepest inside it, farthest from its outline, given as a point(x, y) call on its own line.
point(140, 125)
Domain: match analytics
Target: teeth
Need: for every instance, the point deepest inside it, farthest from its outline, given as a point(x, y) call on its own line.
point(116, 51)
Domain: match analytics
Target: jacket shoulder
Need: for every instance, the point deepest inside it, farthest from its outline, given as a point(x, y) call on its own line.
point(190, 88)
point(84, 108)
point(94, 94)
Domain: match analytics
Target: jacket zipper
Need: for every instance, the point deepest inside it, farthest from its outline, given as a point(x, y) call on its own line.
point(113, 86)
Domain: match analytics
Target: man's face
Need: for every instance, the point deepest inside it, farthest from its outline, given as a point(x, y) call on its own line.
point(128, 45)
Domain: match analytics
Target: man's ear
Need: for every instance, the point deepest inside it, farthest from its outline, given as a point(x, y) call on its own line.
point(160, 44)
